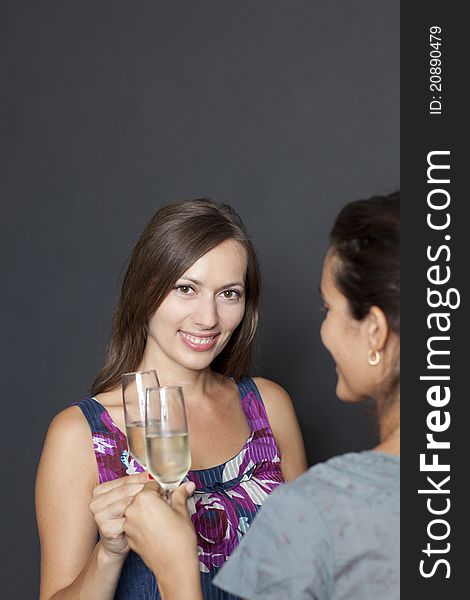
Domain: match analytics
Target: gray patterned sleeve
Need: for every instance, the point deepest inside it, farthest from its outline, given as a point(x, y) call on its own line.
point(287, 553)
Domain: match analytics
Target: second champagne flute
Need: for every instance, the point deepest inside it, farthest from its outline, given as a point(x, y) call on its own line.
point(134, 386)
point(166, 437)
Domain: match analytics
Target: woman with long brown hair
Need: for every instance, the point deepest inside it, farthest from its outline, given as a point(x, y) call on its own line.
point(189, 309)
point(334, 533)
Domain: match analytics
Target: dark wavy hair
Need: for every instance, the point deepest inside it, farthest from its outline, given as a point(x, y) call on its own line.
point(174, 239)
point(366, 239)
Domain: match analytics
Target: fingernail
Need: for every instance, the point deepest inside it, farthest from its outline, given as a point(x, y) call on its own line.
point(149, 476)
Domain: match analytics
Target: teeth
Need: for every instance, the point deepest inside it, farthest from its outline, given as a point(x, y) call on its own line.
point(198, 340)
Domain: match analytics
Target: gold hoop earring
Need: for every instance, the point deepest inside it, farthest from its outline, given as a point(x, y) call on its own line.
point(374, 357)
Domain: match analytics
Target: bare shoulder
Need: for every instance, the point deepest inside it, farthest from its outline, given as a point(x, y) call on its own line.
point(67, 426)
point(274, 396)
point(285, 427)
point(68, 445)
point(66, 476)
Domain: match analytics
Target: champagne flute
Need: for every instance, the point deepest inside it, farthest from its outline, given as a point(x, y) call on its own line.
point(166, 437)
point(133, 397)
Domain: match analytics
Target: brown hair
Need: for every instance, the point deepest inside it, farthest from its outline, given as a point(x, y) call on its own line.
point(366, 238)
point(175, 238)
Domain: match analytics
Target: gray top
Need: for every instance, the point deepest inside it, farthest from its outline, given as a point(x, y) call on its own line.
point(334, 534)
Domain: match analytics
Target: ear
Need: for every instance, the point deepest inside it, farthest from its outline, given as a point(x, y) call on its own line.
point(377, 328)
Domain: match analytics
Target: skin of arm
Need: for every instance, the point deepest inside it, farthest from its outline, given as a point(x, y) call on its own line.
point(73, 564)
point(285, 427)
point(164, 537)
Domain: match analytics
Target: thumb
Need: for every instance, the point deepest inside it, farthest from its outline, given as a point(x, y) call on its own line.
point(180, 496)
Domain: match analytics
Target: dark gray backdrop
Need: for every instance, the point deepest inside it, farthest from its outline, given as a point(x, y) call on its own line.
point(285, 109)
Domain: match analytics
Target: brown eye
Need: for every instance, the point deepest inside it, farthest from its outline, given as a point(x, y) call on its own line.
point(231, 294)
point(184, 289)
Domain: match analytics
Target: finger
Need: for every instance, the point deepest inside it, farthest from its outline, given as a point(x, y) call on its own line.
point(112, 529)
point(144, 500)
point(100, 502)
point(150, 493)
point(190, 487)
point(180, 497)
point(109, 505)
point(104, 488)
point(113, 512)
point(132, 518)
point(153, 486)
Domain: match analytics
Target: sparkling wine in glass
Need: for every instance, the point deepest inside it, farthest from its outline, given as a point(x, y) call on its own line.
point(134, 386)
point(166, 437)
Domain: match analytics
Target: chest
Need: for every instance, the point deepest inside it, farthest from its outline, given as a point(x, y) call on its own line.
point(217, 430)
point(216, 433)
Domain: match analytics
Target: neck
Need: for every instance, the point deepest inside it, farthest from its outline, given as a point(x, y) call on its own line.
point(195, 383)
point(390, 431)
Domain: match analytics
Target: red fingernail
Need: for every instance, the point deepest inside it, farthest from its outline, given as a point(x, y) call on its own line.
point(149, 476)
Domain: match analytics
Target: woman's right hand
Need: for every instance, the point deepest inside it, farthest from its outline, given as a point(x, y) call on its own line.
point(108, 505)
point(163, 535)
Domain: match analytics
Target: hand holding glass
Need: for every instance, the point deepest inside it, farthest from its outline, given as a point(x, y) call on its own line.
point(166, 437)
point(134, 386)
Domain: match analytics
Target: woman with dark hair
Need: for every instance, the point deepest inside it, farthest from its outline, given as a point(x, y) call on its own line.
point(189, 310)
point(334, 532)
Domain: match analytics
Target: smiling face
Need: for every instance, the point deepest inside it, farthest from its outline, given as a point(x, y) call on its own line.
point(345, 338)
point(207, 303)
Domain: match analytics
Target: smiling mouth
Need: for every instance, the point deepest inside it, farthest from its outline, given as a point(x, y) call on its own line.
point(197, 342)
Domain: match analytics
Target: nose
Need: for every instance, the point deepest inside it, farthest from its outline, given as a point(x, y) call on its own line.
point(206, 315)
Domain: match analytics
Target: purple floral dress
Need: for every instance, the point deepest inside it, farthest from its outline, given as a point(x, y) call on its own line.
point(224, 504)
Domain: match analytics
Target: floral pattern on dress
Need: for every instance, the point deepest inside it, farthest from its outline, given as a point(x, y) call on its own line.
point(131, 464)
point(110, 447)
point(227, 497)
point(222, 510)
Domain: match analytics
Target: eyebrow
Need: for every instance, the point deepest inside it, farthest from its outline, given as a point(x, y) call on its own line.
point(195, 281)
point(226, 285)
point(234, 284)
